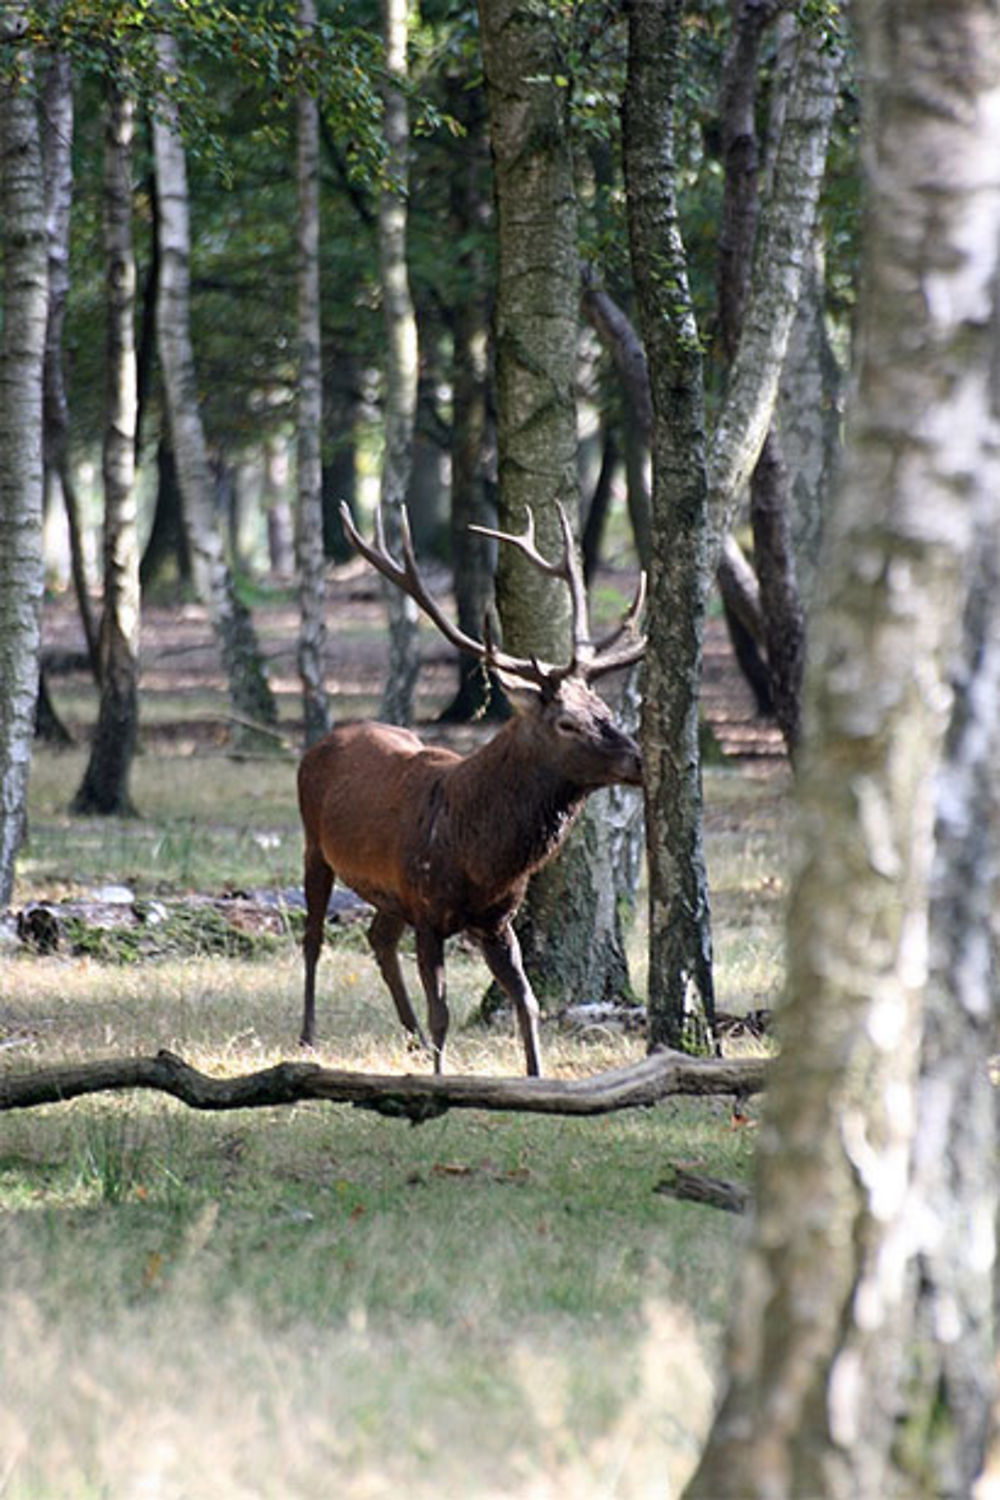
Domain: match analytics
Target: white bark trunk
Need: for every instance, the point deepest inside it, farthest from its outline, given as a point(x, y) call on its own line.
point(309, 417)
point(823, 1321)
point(784, 245)
point(248, 688)
point(400, 359)
point(105, 786)
point(25, 306)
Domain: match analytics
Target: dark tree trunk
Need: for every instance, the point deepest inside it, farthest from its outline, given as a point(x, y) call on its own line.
point(780, 600)
point(166, 562)
point(570, 920)
point(782, 616)
point(49, 727)
point(600, 502)
point(478, 694)
point(681, 991)
point(340, 452)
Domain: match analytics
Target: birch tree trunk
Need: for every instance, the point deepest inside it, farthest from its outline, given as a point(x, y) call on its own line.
point(57, 157)
point(249, 692)
point(400, 359)
point(309, 416)
point(697, 482)
point(105, 785)
point(681, 990)
point(770, 492)
point(810, 411)
point(860, 1348)
point(22, 351)
point(783, 249)
point(570, 926)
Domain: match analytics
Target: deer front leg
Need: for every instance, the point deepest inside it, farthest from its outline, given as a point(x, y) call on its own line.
point(384, 935)
point(502, 953)
point(317, 884)
point(430, 962)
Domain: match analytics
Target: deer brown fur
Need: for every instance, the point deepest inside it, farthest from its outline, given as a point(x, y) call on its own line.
point(445, 843)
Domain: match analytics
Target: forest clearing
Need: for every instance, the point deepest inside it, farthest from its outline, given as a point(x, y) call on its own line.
point(316, 1299)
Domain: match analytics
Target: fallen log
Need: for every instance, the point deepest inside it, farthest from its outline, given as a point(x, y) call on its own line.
point(409, 1096)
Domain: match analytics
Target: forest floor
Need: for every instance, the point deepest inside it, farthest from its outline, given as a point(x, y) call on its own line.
point(310, 1300)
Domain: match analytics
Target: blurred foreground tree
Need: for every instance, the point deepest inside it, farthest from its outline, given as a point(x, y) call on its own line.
point(862, 1344)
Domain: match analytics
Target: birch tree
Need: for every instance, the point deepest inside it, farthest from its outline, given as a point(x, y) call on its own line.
point(105, 785)
point(24, 247)
point(309, 412)
point(57, 157)
point(249, 692)
point(699, 477)
point(400, 398)
point(861, 1341)
point(570, 926)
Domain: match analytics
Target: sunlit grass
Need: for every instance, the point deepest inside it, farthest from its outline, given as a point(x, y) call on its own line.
point(315, 1300)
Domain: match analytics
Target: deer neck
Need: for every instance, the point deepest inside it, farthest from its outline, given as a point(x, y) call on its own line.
point(527, 809)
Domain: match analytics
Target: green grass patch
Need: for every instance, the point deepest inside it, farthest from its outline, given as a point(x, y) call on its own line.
point(316, 1300)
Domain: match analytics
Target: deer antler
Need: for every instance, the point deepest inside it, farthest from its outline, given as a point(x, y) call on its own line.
point(609, 655)
point(568, 569)
point(587, 661)
point(406, 576)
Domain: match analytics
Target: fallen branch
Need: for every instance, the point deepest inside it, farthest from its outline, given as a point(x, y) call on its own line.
point(412, 1097)
point(696, 1187)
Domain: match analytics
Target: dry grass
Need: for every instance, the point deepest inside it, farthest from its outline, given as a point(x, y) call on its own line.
point(316, 1301)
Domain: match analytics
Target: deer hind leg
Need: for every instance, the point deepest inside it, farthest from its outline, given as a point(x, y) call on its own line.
point(318, 883)
point(384, 935)
point(430, 962)
point(502, 953)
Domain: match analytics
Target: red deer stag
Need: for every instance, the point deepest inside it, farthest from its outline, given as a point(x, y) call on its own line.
point(445, 843)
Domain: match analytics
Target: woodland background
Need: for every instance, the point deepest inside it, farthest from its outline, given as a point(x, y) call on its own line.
point(669, 266)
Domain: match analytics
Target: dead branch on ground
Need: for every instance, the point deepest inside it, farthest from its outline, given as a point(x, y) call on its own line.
point(409, 1096)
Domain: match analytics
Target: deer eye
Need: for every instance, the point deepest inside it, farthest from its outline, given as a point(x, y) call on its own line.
point(566, 724)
